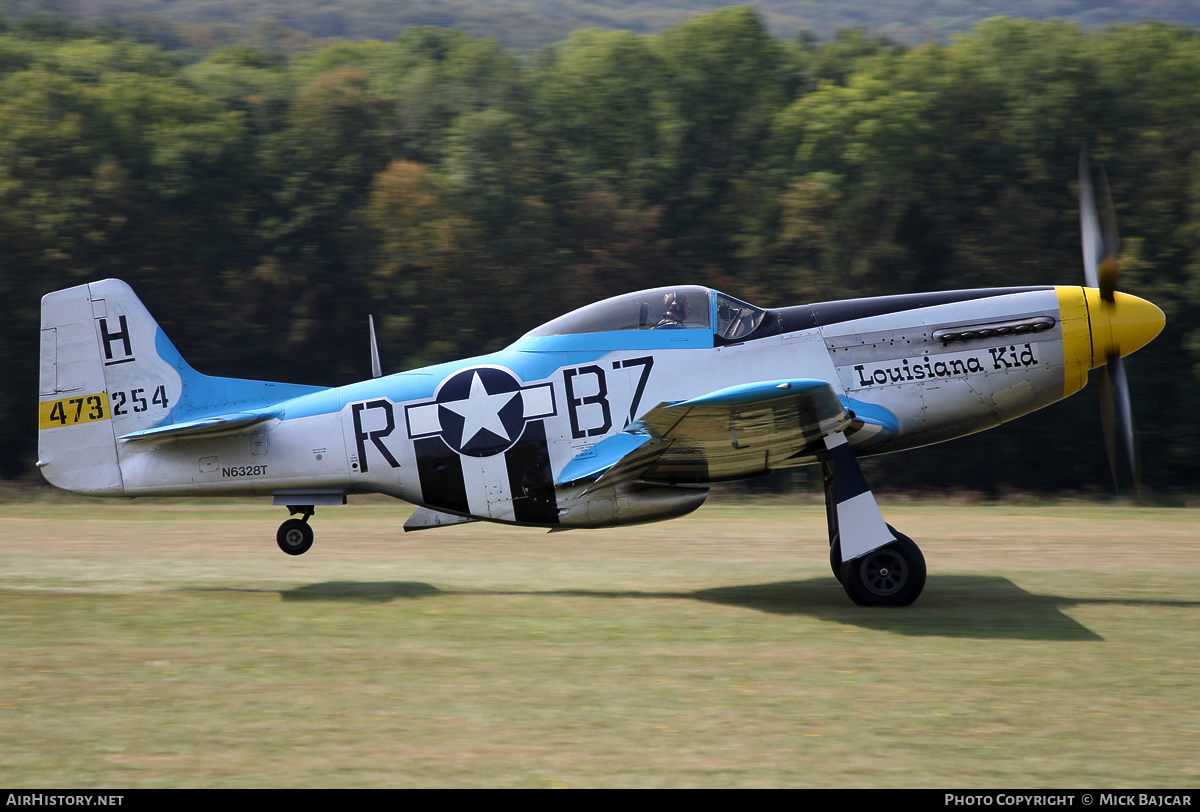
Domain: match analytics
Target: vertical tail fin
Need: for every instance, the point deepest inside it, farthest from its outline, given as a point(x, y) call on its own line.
point(76, 445)
point(107, 371)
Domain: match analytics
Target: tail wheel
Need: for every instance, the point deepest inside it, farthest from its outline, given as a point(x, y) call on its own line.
point(294, 537)
point(892, 575)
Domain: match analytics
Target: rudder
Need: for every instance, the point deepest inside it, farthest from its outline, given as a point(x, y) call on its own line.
point(76, 444)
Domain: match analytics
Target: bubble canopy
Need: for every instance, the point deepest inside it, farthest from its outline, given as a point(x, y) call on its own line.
point(686, 307)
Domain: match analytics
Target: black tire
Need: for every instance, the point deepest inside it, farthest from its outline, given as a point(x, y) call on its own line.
point(835, 558)
point(893, 575)
point(294, 537)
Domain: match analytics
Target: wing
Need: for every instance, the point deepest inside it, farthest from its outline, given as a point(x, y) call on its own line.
point(732, 433)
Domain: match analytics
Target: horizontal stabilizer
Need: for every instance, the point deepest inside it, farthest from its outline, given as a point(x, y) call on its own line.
point(217, 426)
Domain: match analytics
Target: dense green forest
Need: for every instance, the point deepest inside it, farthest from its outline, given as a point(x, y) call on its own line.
point(262, 205)
point(290, 24)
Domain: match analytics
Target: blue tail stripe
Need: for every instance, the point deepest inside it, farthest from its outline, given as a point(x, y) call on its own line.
point(203, 394)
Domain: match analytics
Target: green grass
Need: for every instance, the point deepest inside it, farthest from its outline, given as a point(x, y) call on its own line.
point(172, 644)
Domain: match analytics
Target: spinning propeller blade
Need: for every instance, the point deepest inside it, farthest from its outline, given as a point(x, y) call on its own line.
point(1100, 269)
point(1115, 414)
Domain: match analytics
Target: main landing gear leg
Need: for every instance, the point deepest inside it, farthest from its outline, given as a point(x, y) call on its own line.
point(876, 565)
point(295, 536)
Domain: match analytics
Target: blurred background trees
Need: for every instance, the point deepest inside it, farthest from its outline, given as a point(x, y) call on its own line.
point(262, 204)
point(528, 24)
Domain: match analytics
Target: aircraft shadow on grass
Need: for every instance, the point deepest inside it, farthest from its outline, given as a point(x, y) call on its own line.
point(362, 591)
point(978, 606)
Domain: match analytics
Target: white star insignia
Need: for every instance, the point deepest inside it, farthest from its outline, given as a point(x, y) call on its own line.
point(481, 411)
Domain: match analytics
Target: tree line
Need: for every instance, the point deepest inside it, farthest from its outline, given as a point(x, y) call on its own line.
point(463, 193)
point(527, 24)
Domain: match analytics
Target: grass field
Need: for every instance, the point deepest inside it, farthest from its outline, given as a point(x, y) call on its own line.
point(172, 644)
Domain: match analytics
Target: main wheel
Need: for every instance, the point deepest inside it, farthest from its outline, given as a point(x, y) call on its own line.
point(893, 575)
point(294, 537)
point(835, 558)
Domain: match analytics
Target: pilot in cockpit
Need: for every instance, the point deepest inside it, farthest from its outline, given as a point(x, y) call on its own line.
point(675, 310)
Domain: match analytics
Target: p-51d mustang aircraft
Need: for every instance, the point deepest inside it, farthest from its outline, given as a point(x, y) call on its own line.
point(617, 413)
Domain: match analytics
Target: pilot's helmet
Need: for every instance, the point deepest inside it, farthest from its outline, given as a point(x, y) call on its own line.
point(675, 306)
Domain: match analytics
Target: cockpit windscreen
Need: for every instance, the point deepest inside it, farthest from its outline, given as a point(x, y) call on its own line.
point(680, 308)
point(736, 319)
